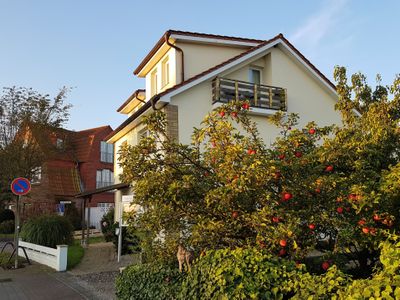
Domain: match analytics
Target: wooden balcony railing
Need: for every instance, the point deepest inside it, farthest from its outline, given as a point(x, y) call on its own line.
point(260, 96)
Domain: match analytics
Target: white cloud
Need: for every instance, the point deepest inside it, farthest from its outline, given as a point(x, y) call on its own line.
point(315, 28)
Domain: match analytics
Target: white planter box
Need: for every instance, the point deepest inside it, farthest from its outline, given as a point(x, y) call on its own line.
point(54, 258)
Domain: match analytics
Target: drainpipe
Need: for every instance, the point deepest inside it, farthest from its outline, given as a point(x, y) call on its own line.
point(182, 56)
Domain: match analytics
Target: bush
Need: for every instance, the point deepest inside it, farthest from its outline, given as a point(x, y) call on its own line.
point(48, 230)
point(240, 274)
point(130, 240)
point(6, 215)
point(7, 227)
point(148, 281)
point(107, 225)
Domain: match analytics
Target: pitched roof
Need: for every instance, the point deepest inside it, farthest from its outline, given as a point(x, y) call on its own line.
point(168, 33)
point(63, 180)
point(215, 68)
point(135, 93)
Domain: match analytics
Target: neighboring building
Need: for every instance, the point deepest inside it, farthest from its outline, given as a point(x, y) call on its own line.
point(82, 161)
point(188, 74)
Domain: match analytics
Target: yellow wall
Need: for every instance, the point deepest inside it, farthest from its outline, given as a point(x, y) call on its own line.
point(200, 57)
point(306, 96)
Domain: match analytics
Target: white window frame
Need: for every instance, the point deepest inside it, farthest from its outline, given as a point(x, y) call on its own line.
point(36, 175)
point(106, 152)
point(259, 70)
point(154, 82)
point(165, 71)
point(59, 143)
point(104, 177)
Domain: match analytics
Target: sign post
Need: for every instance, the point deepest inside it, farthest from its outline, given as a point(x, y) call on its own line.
point(20, 186)
point(126, 199)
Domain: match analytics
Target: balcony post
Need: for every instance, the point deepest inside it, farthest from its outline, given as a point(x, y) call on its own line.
point(237, 90)
point(270, 98)
point(255, 95)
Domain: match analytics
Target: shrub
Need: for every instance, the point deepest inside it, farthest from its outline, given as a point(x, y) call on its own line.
point(240, 274)
point(385, 283)
point(130, 240)
point(7, 227)
point(48, 230)
point(6, 215)
point(148, 281)
point(107, 225)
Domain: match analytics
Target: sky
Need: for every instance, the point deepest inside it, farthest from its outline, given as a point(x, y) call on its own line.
point(93, 46)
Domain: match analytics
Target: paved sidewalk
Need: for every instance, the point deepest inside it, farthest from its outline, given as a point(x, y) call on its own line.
point(41, 283)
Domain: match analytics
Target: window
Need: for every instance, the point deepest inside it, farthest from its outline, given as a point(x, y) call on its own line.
point(165, 72)
point(104, 178)
point(106, 152)
point(36, 175)
point(153, 78)
point(255, 75)
point(105, 207)
point(60, 143)
point(143, 134)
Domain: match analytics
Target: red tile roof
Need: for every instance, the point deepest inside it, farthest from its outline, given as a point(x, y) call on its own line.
point(64, 180)
point(188, 33)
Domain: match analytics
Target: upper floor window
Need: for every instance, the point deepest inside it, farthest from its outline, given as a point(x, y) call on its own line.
point(104, 178)
point(165, 72)
point(255, 75)
point(153, 79)
point(36, 175)
point(106, 152)
point(59, 143)
point(143, 134)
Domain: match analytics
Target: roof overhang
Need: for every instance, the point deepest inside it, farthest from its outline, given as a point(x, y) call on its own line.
point(132, 102)
point(161, 47)
point(118, 186)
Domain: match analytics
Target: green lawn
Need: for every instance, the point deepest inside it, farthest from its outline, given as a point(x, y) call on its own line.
point(75, 254)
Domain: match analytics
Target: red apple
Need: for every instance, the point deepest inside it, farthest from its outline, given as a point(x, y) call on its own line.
point(245, 106)
point(372, 231)
point(329, 168)
point(277, 175)
point(317, 190)
point(361, 222)
point(339, 210)
point(281, 156)
point(325, 265)
point(282, 252)
point(275, 219)
point(353, 197)
point(365, 230)
point(235, 214)
point(376, 218)
point(222, 113)
point(251, 151)
point(287, 196)
point(234, 114)
point(282, 243)
point(311, 131)
point(311, 226)
point(298, 154)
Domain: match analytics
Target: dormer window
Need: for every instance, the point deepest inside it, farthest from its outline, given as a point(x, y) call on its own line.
point(165, 72)
point(153, 79)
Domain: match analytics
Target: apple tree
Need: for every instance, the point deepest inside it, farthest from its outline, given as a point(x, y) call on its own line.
point(333, 188)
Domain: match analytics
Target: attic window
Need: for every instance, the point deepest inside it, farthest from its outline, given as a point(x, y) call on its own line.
point(153, 82)
point(255, 75)
point(60, 143)
point(165, 72)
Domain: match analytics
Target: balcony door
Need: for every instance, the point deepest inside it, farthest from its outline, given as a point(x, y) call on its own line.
point(255, 75)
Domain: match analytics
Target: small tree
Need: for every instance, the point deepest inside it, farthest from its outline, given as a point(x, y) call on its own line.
point(27, 119)
point(330, 188)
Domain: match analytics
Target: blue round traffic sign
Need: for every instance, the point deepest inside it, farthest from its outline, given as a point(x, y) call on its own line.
point(20, 186)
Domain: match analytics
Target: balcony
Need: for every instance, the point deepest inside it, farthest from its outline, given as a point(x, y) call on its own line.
point(260, 96)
